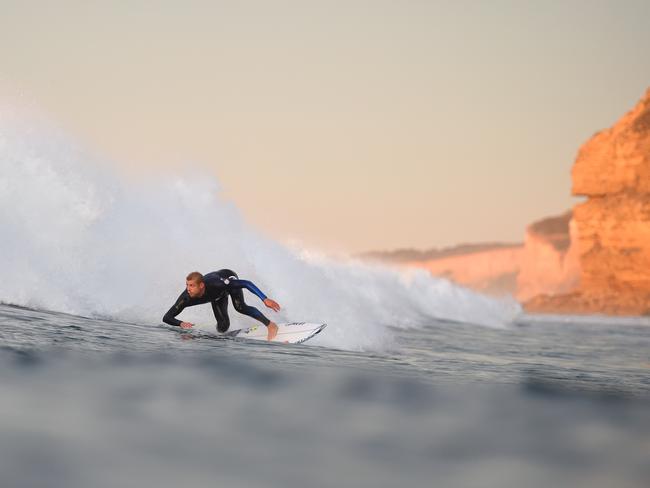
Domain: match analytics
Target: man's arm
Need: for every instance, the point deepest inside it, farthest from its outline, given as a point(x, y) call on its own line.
point(170, 316)
point(249, 285)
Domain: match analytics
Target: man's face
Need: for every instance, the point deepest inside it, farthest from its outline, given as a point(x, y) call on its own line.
point(194, 289)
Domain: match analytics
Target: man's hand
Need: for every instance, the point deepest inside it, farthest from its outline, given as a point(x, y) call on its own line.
point(272, 304)
point(272, 330)
point(186, 325)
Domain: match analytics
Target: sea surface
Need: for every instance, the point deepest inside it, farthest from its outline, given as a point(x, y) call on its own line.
point(414, 382)
point(543, 402)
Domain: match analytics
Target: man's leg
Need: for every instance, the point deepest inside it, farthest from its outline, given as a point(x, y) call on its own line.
point(220, 309)
point(242, 307)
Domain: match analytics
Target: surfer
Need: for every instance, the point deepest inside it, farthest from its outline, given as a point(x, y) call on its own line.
point(215, 288)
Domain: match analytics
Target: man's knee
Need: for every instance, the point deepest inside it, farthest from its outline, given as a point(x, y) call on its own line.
point(223, 325)
point(239, 305)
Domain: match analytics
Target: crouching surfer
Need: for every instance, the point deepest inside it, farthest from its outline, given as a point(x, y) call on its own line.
point(215, 288)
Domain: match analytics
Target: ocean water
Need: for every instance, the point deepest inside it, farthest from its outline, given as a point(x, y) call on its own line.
point(415, 381)
point(98, 402)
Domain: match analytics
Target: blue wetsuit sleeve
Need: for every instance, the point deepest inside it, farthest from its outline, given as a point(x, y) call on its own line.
point(249, 285)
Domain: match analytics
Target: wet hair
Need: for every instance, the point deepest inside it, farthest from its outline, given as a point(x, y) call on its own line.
point(195, 276)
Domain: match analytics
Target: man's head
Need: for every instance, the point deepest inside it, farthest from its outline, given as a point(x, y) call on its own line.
point(194, 284)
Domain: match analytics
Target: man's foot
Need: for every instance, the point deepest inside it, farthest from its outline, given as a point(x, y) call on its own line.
point(272, 330)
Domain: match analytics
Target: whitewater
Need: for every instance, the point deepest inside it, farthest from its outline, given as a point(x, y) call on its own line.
point(415, 381)
point(80, 238)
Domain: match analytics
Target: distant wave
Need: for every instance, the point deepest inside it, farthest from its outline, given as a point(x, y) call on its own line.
point(79, 238)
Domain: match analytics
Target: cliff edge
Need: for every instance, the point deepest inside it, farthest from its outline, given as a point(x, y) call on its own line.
point(611, 229)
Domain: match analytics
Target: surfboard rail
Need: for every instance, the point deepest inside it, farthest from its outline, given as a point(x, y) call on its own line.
point(288, 333)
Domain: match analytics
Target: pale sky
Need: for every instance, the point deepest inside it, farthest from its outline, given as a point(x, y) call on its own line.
point(345, 125)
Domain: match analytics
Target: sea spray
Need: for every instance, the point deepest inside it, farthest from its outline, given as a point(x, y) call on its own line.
point(79, 237)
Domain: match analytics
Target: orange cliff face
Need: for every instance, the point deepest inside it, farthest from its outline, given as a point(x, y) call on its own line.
point(544, 264)
point(612, 228)
point(490, 268)
point(547, 263)
point(550, 264)
point(491, 271)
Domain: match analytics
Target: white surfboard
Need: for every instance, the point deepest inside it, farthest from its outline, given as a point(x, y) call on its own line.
point(293, 333)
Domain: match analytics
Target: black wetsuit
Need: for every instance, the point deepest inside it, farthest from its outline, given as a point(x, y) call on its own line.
point(218, 286)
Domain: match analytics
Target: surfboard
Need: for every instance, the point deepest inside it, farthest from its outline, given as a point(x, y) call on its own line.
point(293, 333)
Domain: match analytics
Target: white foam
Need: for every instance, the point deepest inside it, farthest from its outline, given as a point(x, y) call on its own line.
point(78, 238)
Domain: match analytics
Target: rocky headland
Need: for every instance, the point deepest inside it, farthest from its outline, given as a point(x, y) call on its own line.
point(611, 238)
point(550, 264)
point(594, 259)
point(490, 268)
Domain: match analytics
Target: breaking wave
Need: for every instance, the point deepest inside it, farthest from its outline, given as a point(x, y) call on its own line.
point(79, 237)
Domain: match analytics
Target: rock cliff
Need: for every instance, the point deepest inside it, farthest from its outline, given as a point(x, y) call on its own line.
point(546, 263)
point(489, 270)
point(550, 263)
point(612, 227)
